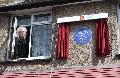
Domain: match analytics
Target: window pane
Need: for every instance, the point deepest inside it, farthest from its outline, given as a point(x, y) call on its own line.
point(42, 17)
point(23, 20)
point(40, 40)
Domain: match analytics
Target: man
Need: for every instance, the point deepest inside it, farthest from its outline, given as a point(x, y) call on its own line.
point(21, 44)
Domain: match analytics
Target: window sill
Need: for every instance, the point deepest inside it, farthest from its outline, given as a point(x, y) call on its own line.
point(27, 61)
point(34, 58)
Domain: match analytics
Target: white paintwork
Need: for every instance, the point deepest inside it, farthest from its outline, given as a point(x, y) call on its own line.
point(95, 16)
point(68, 19)
point(14, 34)
point(82, 17)
point(34, 58)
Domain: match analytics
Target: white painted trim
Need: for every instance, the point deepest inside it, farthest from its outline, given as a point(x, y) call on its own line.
point(68, 19)
point(82, 17)
point(14, 34)
point(30, 46)
point(34, 58)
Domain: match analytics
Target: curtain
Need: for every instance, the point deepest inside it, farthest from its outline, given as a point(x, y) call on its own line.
point(63, 41)
point(102, 38)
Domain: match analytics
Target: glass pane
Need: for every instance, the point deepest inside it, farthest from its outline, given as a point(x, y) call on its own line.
point(23, 20)
point(42, 17)
point(40, 41)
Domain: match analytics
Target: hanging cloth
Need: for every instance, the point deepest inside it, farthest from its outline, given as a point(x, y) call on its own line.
point(102, 38)
point(63, 41)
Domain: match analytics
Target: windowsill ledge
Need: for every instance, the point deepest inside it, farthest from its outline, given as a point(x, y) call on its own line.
point(34, 58)
point(27, 61)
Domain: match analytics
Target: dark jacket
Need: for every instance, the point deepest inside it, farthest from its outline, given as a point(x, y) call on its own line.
point(21, 48)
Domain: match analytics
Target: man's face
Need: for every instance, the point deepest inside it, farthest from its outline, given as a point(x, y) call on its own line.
point(22, 34)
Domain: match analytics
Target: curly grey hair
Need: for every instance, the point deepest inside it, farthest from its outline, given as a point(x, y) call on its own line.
point(21, 29)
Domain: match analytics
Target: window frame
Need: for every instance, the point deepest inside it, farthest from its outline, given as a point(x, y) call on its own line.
point(31, 24)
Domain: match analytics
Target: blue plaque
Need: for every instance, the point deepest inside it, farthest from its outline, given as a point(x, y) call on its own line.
point(82, 35)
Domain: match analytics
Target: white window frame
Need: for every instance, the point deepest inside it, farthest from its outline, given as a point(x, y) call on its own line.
point(32, 24)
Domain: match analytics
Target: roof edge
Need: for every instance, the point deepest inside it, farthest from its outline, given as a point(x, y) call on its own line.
point(29, 5)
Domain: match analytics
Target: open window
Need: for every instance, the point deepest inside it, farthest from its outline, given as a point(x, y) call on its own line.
point(38, 38)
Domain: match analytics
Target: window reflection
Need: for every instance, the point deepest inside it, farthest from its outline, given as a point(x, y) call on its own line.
point(42, 17)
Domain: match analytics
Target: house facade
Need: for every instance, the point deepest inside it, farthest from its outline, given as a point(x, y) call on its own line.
point(48, 16)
